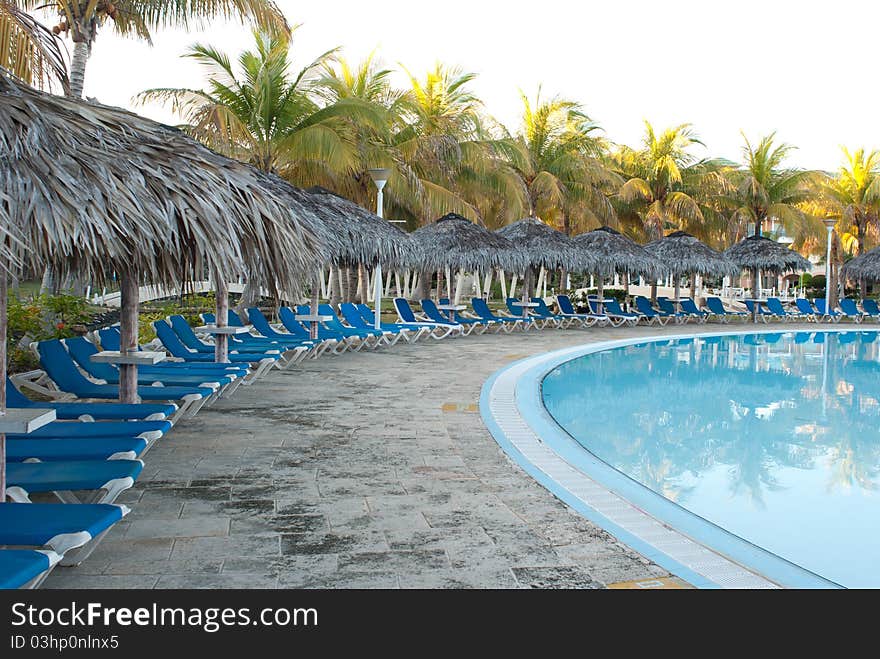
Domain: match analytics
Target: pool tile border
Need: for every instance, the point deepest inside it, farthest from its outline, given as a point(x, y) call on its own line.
point(512, 410)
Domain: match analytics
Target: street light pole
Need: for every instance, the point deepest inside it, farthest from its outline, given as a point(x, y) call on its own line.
point(829, 225)
point(380, 178)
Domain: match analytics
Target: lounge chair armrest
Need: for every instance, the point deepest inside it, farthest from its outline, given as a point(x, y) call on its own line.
point(39, 382)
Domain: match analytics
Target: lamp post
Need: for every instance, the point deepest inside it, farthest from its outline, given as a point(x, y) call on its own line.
point(829, 225)
point(380, 178)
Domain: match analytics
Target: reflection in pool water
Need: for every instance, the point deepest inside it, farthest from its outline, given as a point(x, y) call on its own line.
point(775, 438)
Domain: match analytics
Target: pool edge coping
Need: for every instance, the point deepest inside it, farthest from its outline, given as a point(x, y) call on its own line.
point(523, 405)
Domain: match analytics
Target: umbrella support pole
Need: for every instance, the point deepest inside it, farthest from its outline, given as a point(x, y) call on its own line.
point(503, 277)
point(221, 341)
point(128, 329)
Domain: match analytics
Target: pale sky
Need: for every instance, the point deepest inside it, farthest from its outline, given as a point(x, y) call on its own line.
point(801, 68)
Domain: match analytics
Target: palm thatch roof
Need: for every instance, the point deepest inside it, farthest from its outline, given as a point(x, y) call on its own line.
point(866, 266)
point(768, 255)
point(615, 253)
point(94, 189)
point(364, 237)
point(682, 254)
point(456, 243)
point(544, 246)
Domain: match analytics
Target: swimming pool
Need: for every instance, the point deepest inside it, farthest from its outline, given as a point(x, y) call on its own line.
point(773, 438)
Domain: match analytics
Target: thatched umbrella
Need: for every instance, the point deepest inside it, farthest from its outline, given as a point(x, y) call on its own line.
point(866, 266)
point(544, 247)
point(367, 238)
point(682, 254)
point(453, 242)
point(98, 190)
point(614, 253)
point(760, 254)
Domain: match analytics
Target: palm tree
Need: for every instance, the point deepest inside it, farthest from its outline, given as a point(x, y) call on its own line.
point(446, 154)
point(28, 49)
point(561, 165)
point(266, 114)
point(854, 195)
point(263, 113)
point(667, 186)
point(81, 19)
point(767, 191)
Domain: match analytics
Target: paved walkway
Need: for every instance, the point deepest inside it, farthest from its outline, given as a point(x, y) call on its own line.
point(369, 470)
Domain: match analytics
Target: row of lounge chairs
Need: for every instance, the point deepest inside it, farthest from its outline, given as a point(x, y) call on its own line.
point(95, 450)
point(64, 479)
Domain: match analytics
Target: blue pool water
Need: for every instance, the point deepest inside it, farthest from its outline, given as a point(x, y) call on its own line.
point(775, 438)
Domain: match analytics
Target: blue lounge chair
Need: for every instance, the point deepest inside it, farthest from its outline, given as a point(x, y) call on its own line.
point(255, 346)
point(109, 339)
point(851, 311)
point(61, 368)
point(149, 430)
point(524, 312)
point(618, 316)
point(831, 314)
point(71, 531)
point(354, 317)
point(416, 331)
point(870, 308)
point(336, 325)
point(260, 362)
point(807, 310)
point(566, 308)
point(330, 340)
point(408, 316)
point(644, 307)
point(65, 450)
point(505, 323)
point(393, 334)
point(464, 318)
point(82, 351)
point(774, 306)
point(716, 308)
point(759, 311)
point(543, 311)
point(305, 346)
point(689, 307)
point(436, 316)
point(104, 480)
point(364, 338)
point(92, 411)
point(25, 568)
point(666, 307)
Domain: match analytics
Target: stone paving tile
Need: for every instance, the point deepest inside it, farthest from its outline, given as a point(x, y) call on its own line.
point(215, 581)
point(312, 479)
point(192, 527)
point(568, 577)
point(68, 578)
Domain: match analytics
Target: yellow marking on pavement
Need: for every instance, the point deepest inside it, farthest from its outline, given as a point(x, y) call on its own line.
point(471, 408)
point(670, 583)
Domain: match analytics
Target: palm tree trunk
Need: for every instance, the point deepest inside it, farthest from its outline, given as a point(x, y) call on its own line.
point(860, 237)
point(81, 52)
point(334, 293)
point(363, 282)
point(350, 283)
